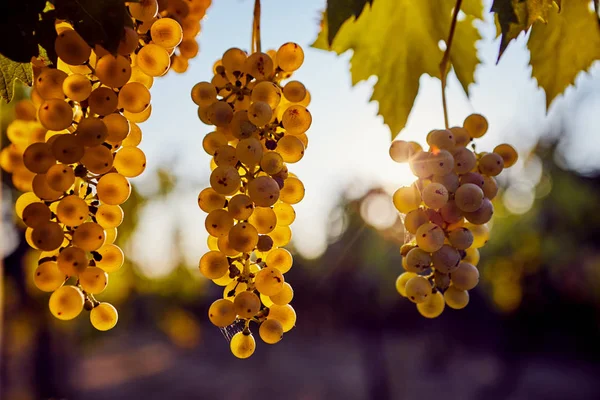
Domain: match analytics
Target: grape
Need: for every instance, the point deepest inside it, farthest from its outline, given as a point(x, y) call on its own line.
point(118, 127)
point(285, 213)
point(240, 207)
point(476, 125)
point(265, 243)
point(435, 195)
point(219, 113)
point(285, 296)
point(91, 132)
point(72, 211)
point(290, 57)
point(109, 216)
point(472, 256)
point(263, 219)
point(271, 331)
point(271, 162)
point(417, 260)
point(246, 304)
point(42, 190)
point(267, 92)
point(414, 219)
point(433, 307)
point(60, 177)
point(47, 277)
point(286, 315)
point(97, 159)
point(66, 302)
point(218, 223)
point(130, 161)
point(401, 151)
point(166, 32)
point(226, 156)
point(264, 191)
point(55, 114)
point(68, 149)
point(225, 180)
point(468, 197)
point(243, 237)
point(490, 187)
point(296, 119)
point(465, 277)
point(213, 141)
point(401, 282)
point(441, 162)
point(420, 164)
point(213, 265)
point(38, 158)
point(430, 237)
point(144, 11)
point(129, 41)
point(456, 298)
point(112, 255)
point(138, 117)
point(407, 199)
point(269, 281)
point(482, 215)
point(508, 153)
point(47, 236)
point(464, 160)
point(460, 238)
point(290, 148)
point(188, 48)
point(23, 201)
point(249, 151)
point(446, 259)
point(461, 136)
point(294, 91)
point(293, 191)
point(225, 247)
point(89, 236)
point(134, 97)
point(472, 177)
point(209, 200)
point(418, 289)
point(281, 235)
point(103, 101)
point(49, 84)
point(113, 71)
point(481, 235)
point(441, 280)
point(491, 164)
point(111, 236)
point(71, 48)
point(234, 59)
point(137, 75)
point(104, 316)
point(441, 139)
point(259, 113)
point(242, 345)
point(221, 313)
point(93, 280)
point(35, 214)
point(204, 94)
point(113, 189)
point(233, 288)
point(259, 65)
point(153, 60)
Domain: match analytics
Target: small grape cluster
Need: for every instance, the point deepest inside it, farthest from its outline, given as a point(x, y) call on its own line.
point(446, 211)
point(74, 146)
point(261, 127)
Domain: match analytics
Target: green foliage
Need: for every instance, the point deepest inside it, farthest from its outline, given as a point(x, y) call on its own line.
point(516, 16)
point(568, 44)
point(11, 71)
point(397, 41)
point(338, 11)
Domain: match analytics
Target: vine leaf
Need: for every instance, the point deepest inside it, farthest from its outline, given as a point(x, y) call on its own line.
point(11, 71)
point(398, 41)
point(338, 11)
point(98, 22)
point(516, 16)
point(568, 44)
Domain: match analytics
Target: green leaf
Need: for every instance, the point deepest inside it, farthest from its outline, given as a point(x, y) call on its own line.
point(397, 41)
point(98, 22)
point(568, 44)
point(10, 71)
point(338, 11)
point(516, 16)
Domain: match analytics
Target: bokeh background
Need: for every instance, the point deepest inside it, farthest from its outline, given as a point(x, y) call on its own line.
point(530, 331)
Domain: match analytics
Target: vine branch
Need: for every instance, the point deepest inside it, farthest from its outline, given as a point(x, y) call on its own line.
point(444, 65)
point(256, 28)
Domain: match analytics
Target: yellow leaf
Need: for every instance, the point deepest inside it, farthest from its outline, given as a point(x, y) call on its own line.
point(398, 41)
point(568, 44)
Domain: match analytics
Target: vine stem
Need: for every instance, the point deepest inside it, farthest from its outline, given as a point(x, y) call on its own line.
point(256, 28)
point(446, 60)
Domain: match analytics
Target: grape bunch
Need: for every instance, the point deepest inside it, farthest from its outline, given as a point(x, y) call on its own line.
point(445, 212)
point(260, 127)
point(74, 146)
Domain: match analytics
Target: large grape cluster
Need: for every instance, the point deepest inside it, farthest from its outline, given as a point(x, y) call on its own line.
point(261, 126)
point(445, 212)
point(74, 146)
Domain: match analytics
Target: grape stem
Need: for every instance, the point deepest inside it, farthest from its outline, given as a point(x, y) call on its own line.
point(256, 27)
point(444, 65)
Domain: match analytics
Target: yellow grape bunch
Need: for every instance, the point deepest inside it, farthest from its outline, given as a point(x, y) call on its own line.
point(446, 211)
point(74, 146)
point(260, 120)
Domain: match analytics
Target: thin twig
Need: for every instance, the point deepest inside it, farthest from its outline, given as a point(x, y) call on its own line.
point(446, 60)
point(256, 27)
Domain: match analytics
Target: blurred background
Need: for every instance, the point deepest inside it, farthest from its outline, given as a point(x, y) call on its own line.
point(530, 331)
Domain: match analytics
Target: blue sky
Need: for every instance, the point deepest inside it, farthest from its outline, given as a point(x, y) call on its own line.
point(348, 145)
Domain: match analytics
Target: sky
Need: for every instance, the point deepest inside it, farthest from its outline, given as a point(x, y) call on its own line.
point(348, 142)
